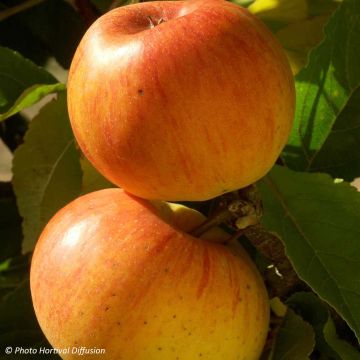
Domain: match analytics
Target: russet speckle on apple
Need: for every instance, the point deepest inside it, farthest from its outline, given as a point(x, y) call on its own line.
point(181, 100)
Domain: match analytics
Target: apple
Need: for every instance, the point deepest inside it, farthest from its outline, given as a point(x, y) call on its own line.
point(111, 271)
point(180, 100)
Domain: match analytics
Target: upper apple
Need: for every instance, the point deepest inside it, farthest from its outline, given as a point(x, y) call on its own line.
point(180, 100)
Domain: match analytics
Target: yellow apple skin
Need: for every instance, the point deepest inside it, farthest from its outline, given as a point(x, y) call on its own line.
point(194, 107)
point(109, 272)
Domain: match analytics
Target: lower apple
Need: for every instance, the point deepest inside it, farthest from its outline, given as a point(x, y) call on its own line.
point(114, 272)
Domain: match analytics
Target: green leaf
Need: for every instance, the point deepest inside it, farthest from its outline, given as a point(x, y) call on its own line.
point(299, 38)
point(340, 155)
point(316, 313)
point(295, 339)
point(17, 75)
point(321, 7)
point(317, 220)
point(92, 180)
point(31, 96)
point(298, 25)
point(313, 311)
point(343, 348)
point(325, 85)
point(47, 172)
point(243, 3)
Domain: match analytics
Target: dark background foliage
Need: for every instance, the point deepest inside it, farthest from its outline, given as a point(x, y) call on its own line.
point(309, 202)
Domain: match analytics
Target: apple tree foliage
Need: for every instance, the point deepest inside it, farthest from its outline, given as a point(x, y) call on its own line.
point(308, 197)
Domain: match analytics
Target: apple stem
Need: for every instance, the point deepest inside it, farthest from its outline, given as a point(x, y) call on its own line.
point(153, 24)
point(238, 210)
point(241, 211)
point(161, 20)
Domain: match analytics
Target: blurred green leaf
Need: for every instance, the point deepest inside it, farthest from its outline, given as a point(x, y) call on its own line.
point(31, 96)
point(315, 312)
point(11, 11)
point(14, 338)
point(102, 5)
point(243, 3)
point(280, 10)
point(298, 25)
point(18, 324)
point(295, 339)
point(284, 12)
point(14, 34)
point(13, 271)
point(299, 38)
point(340, 154)
point(47, 172)
point(317, 220)
point(17, 75)
point(16, 311)
point(321, 7)
point(26, 339)
point(324, 87)
point(343, 348)
point(117, 3)
point(92, 180)
point(58, 25)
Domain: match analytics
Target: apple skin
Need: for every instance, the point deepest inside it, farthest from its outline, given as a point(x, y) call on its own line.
point(109, 272)
point(196, 106)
